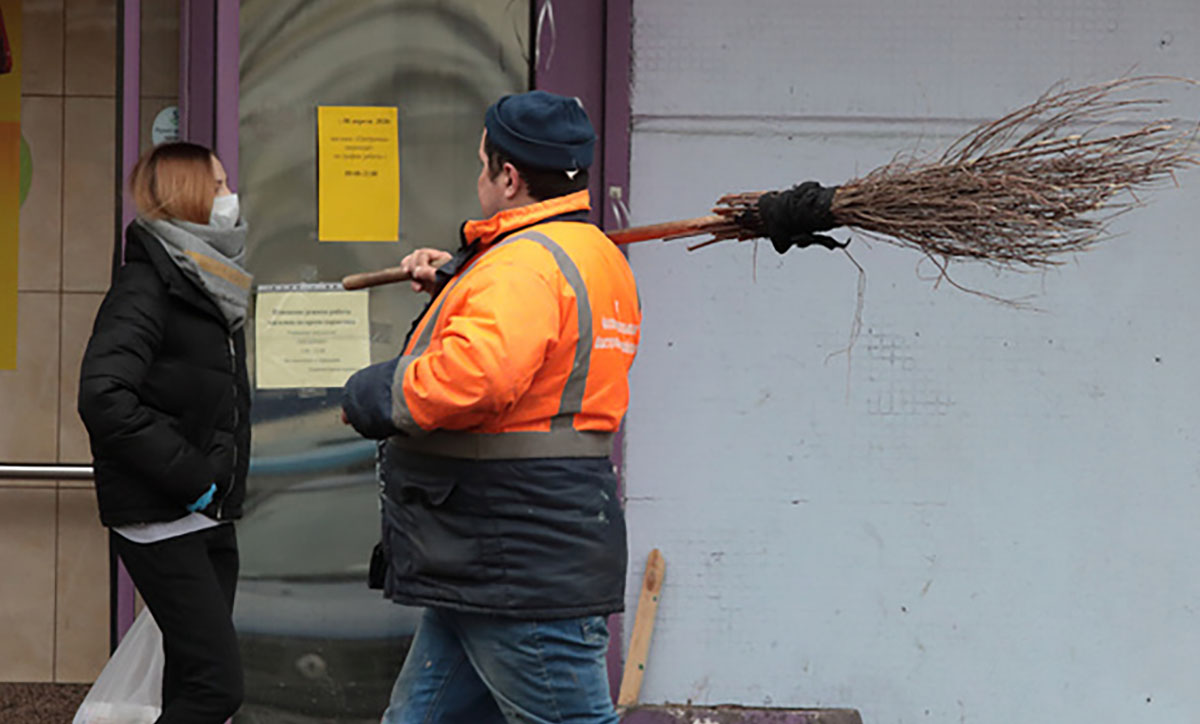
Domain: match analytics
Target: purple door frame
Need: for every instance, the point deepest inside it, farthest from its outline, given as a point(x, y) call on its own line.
point(208, 78)
point(208, 97)
point(122, 601)
point(586, 52)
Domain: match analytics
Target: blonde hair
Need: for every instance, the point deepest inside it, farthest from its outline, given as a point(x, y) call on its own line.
point(174, 181)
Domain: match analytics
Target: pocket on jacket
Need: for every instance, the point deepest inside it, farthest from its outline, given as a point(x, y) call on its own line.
point(431, 535)
point(410, 487)
point(377, 568)
point(220, 454)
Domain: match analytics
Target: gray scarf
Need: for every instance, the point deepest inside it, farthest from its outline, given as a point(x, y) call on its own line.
point(211, 257)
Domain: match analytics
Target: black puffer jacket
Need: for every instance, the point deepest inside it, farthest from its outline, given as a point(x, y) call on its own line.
point(164, 394)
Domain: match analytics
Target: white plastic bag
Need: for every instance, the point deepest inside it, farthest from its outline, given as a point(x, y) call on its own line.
point(129, 689)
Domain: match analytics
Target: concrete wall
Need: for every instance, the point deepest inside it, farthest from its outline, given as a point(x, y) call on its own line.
point(978, 514)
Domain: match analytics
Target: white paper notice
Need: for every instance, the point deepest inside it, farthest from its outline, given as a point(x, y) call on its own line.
point(307, 338)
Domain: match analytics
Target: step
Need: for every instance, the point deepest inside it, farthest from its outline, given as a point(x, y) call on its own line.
point(737, 715)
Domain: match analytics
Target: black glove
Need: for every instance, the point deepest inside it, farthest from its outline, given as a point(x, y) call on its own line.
point(790, 217)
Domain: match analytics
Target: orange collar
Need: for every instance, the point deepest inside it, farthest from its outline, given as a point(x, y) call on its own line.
point(486, 231)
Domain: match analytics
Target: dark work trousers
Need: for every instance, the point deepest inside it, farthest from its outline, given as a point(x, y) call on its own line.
point(188, 584)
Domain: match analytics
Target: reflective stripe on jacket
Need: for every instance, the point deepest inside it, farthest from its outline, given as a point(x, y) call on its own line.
point(524, 353)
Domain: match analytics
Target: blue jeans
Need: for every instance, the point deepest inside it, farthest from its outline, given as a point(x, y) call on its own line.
point(473, 669)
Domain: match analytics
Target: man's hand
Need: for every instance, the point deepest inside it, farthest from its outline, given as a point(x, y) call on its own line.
point(422, 266)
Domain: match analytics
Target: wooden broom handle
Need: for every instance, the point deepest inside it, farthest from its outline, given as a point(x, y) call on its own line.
point(666, 230)
point(362, 280)
point(390, 275)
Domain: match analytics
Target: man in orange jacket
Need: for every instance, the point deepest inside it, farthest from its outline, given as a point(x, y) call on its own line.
point(500, 507)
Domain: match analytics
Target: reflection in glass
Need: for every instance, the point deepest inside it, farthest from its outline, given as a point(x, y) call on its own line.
point(317, 644)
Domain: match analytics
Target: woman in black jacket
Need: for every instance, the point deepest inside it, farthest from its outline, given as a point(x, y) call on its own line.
point(164, 395)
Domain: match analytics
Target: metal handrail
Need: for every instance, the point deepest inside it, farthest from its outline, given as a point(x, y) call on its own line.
point(310, 461)
point(44, 471)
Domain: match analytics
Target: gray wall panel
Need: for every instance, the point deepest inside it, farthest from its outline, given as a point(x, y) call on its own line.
point(984, 514)
point(899, 58)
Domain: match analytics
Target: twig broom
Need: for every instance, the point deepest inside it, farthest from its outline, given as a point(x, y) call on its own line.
point(1022, 191)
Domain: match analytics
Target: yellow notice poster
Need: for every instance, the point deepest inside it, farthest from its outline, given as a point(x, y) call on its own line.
point(309, 335)
point(358, 174)
point(11, 175)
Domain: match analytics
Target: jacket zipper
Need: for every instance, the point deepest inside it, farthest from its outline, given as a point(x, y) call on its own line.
point(233, 471)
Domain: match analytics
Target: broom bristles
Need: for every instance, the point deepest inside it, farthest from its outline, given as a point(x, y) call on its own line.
point(1023, 190)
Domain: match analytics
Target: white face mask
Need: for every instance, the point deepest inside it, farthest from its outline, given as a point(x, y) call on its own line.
point(225, 212)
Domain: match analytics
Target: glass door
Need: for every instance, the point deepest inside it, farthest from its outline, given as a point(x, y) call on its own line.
point(317, 644)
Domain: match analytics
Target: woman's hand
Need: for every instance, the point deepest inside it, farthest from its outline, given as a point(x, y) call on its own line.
point(202, 502)
point(422, 266)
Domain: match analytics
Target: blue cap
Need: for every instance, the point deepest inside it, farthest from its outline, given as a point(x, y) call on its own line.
point(542, 130)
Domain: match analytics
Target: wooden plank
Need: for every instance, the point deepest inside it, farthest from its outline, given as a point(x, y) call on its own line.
point(643, 630)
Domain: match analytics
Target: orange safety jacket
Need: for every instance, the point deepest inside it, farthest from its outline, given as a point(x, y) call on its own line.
point(526, 351)
point(498, 496)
